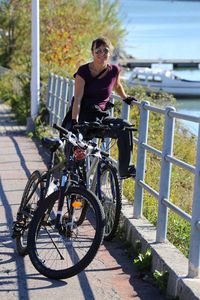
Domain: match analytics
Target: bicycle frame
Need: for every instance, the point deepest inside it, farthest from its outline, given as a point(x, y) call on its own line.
point(91, 169)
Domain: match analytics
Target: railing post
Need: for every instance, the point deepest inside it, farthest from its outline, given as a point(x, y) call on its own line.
point(52, 102)
point(64, 103)
point(58, 101)
point(141, 159)
point(194, 251)
point(165, 177)
point(71, 91)
point(125, 111)
point(51, 84)
point(49, 91)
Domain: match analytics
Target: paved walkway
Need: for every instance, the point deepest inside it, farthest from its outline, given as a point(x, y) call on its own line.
point(111, 275)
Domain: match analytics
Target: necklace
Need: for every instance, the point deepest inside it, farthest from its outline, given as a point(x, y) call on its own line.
point(96, 70)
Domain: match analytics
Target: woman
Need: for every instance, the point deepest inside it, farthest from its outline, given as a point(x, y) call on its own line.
point(94, 83)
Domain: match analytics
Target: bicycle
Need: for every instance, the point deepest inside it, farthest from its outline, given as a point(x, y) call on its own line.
point(103, 179)
point(37, 187)
point(60, 246)
point(100, 176)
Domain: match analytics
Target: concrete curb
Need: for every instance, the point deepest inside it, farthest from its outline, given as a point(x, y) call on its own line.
point(166, 257)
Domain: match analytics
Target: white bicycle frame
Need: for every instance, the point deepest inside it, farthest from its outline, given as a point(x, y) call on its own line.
point(91, 165)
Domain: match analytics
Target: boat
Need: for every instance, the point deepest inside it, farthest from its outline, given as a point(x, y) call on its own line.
point(160, 80)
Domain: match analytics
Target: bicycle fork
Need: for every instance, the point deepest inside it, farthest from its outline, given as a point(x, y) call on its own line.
point(63, 186)
point(65, 228)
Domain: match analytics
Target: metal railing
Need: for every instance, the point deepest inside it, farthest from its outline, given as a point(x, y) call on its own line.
point(60, 92)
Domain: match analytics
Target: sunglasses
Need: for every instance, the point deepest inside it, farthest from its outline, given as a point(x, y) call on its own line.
point(102, 50)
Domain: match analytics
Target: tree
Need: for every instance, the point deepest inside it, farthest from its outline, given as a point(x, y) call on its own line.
point(7, 32)
point(67, 29)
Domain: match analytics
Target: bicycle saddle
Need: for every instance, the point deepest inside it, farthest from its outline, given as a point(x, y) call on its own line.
point(52, 143)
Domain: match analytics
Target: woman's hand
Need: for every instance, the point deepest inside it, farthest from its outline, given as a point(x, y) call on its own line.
point(129, 100)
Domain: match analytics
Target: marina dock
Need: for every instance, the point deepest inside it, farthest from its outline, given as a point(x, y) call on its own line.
point(130, 62)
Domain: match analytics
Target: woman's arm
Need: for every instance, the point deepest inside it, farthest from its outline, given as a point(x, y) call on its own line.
point(118, 88)
point(78, 95)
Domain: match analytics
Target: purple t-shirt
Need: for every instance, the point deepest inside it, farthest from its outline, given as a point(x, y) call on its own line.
point(97, 91)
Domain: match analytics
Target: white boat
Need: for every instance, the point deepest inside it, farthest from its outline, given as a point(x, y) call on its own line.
point(157, 80)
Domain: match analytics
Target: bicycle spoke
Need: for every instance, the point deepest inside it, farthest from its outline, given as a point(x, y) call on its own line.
point(61, 257)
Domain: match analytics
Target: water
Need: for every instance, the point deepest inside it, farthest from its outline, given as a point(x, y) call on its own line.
point(161, 29)
point(165, 29)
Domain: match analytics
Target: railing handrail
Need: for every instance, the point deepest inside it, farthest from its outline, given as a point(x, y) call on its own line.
point(59, 95)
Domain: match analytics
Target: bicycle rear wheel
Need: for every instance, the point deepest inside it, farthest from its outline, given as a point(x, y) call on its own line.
point(109, 193)
point(64, 253)
point(29, 203)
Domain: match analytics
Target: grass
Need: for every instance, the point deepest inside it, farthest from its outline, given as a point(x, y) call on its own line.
point(182, 181)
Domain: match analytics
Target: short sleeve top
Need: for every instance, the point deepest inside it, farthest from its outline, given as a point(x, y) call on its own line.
point(97, 91)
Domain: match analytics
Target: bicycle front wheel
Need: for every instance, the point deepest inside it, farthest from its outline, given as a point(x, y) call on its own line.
point(57, 253)
point(109, 193)
point(29, 203)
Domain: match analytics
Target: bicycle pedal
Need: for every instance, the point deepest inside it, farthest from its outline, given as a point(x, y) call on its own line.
point(17, 228)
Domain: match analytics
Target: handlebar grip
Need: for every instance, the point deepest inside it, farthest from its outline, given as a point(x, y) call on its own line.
point(61, 129)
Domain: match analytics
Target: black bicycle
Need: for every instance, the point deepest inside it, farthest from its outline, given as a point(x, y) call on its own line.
point(95, 170)
point(60, 246)
point(39, 185)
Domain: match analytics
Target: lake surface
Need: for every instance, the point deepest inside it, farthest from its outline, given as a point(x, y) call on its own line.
point(161, 29)
point(165, 29)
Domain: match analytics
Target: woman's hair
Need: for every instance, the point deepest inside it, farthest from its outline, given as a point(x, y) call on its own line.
point(102, 41)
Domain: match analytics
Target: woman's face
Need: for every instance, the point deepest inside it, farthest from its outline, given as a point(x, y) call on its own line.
point(101, 54)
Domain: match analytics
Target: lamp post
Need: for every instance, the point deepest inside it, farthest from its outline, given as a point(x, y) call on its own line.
point(35, 72)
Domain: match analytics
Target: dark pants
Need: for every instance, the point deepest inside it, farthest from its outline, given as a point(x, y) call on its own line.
point(124, 142)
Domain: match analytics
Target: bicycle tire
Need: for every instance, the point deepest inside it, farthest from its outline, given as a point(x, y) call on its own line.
point(29, 202)
point(54, 254)
point(109, 192)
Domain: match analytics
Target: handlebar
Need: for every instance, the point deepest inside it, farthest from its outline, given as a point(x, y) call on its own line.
point(61, 129)
point(76, 141)
point(97, 125)
point(72, 138)
point(90, 146)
